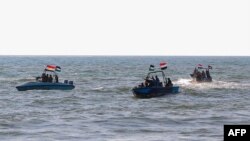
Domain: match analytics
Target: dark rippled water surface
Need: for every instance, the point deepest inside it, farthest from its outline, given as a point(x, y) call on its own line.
point(102, 106)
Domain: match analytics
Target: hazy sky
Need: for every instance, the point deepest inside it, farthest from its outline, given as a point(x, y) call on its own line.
point(124, 27)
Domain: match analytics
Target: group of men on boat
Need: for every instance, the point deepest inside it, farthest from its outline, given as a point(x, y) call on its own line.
point(155, 82)
point(48, 78)
point(200, 76)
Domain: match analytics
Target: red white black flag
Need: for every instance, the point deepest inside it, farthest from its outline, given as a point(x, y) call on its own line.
point(163, 65)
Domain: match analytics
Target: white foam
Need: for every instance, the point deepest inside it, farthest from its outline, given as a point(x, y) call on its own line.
point(183, 82)
point(188, 83)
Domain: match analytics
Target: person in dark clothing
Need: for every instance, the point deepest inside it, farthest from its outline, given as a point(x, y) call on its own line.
point(157, 81)
point(43, 77)
point(50, 79)
point(146, 82)
point(199, 76)
point(203, 75)
point(153, 78)
point(56, 78)
point(152, 82)
point(208, 74)
point(169, 84)
point(46, 77)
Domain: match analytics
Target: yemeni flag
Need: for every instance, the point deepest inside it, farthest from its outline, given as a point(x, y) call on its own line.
point(200, 66)
point(151, 68)
point(53, 68)
point(163, 65)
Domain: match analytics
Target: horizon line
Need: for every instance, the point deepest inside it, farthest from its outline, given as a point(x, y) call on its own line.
point(130, 55)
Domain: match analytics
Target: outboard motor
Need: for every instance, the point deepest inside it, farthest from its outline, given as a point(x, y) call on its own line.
point(71, 82)
point(66, 81)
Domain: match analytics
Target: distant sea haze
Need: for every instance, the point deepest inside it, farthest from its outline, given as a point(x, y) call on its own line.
point(102, 106)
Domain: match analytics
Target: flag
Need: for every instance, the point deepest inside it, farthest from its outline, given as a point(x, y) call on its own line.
point(210, 67)
point(151, 68)
point(163, 65)
point(53, 68)
point(200, 66)
point(50, 68)
point(58, 68)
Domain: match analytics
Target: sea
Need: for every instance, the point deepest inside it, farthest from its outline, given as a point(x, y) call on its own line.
point(103, 108)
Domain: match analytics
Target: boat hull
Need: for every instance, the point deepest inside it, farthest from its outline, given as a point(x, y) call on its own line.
point(44, 86)
point(149, 92)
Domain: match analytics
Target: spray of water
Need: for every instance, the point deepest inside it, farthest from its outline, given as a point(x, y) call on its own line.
point(188, 83)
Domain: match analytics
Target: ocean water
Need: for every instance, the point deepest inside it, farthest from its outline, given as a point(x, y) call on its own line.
point(102, 107)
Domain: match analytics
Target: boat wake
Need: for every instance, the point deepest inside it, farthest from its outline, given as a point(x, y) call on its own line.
point(189, 84)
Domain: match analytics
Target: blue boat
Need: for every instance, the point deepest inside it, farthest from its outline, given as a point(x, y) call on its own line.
point(154, 91)
point(46, 83)
point(155, 88)
point(45, 86)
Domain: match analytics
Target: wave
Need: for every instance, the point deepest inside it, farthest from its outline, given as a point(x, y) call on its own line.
point(189, 84)
point(114, 89)
point(98, 88)
point(17, 79)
